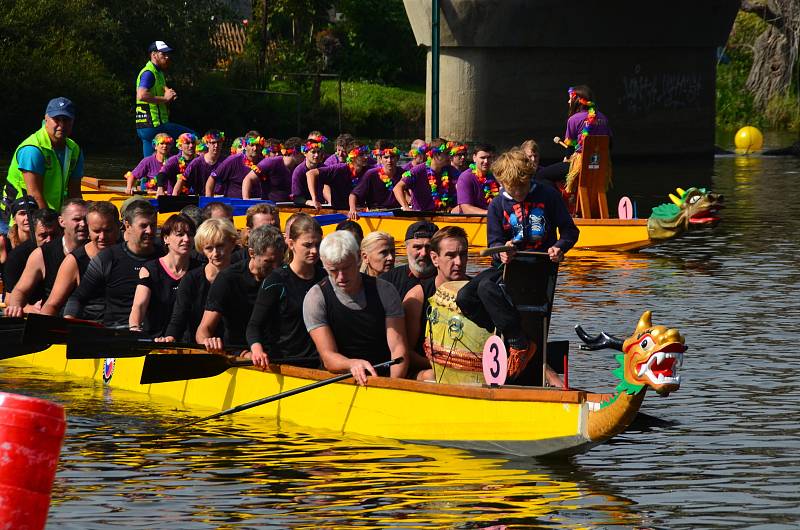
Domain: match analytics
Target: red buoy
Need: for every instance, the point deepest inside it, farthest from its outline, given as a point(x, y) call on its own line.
point(31, 433)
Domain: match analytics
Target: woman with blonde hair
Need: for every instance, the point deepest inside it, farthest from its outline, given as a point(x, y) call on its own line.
point(377, 253)
point(216, 239)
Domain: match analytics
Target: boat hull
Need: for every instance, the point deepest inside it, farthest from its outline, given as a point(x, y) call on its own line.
point(508, 420)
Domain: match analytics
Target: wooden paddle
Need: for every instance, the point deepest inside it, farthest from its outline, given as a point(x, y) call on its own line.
point(276, 397)
point(11, 338)
point(509, 248)
point(166, 367)
point(58, 330)
point(135, 346)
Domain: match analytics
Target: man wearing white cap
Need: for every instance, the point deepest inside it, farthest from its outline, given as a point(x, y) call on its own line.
point(48, 165)
point(153, 98)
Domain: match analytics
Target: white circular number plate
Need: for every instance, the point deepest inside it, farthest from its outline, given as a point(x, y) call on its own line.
point(495, 361)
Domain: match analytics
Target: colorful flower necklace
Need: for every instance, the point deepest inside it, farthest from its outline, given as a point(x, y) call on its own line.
point(591, 118)
point(441, 198)
point(490, 187)
point(253, 167)
point(386, 179)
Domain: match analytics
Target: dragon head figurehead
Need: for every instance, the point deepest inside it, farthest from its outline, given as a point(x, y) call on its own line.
point(651, 357)
point(690, 208)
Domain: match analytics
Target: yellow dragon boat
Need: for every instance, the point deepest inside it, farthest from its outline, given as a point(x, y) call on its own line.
point(510, 420)
point(690, 208)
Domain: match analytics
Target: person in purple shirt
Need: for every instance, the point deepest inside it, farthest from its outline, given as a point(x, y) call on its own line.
point(583, 118)
point(146, 171)
point(175, 166)
point(198, 170)
point(476, 187)
point(418, 154)
point(339, 156)
point(341, 178)
point(274, 178)
point(272, 147)
point(375, 188)
point(231, 173)
point(432, 185)
point(458, 157)
point(314, 153)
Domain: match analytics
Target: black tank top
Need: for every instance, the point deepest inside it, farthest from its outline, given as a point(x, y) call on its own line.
point(360, 334)
point(428, 290)
point(163, 291)
point(53, 255)
point(82, 258)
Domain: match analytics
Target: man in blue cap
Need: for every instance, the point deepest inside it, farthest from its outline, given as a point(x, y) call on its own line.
point(48, 165)
point(153, 98)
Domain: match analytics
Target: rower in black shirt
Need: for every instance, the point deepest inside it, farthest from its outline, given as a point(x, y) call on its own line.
point(158, 279)
point(114, 272)
point(276, 329)
point(216, 239)
point(418, 251)
point(45, 227)
point(233, 293)
point(41, 269)
point(102, 220)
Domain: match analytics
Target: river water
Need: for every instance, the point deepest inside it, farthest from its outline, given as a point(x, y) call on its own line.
point(723, 452)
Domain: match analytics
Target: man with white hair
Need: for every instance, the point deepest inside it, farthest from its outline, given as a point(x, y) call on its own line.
point(355, 321)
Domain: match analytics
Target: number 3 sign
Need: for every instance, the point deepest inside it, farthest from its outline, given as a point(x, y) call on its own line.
point(495, 361)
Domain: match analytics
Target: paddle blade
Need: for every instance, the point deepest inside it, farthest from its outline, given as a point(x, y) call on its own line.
point(18, 350)
point(57, 330)
point(105, 349)
point(166, 367)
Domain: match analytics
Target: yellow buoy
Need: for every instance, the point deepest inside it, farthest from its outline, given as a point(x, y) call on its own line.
point(748, 140)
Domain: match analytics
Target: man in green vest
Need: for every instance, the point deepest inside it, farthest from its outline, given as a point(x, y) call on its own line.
point(48, 165)
point(154, 97)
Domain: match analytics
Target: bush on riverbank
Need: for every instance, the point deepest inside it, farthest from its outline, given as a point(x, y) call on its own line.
point(735, 107)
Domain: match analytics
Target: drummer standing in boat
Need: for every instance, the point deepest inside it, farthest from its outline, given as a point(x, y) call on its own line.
point(154, 98)
point(525, 215)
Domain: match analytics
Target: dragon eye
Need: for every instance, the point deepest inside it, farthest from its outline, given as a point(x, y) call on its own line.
point(694, 198)
point(645, 343)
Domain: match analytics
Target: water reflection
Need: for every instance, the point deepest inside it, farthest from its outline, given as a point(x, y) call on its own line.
point(244, 472)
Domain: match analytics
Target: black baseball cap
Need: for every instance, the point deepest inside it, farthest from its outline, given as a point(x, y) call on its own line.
point(23, 203)
point(159, 46)
point(421, 230)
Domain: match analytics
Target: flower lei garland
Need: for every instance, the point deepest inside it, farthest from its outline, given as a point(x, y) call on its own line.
point(444, 149)
point(487, 180)
point(253, 167)
point(288, 151)
point(202, 143)
point(358, 151)
point(457, 149)
point(386, 179)
point(440, 197)
point(419, 150)
point(145, 183)
point(314, 142)
point(390, 151)
point(272, 150)
point(236, 146)
point(591, 118)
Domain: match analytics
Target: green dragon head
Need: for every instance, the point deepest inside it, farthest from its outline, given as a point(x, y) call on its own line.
point(690, 208)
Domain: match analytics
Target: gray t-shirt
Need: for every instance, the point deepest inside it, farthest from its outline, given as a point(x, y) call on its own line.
point(314, 313)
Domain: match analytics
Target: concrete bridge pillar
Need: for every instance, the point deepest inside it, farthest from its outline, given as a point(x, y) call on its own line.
point(506, 66)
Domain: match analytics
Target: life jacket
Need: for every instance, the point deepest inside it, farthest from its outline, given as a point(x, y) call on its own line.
point(55, 176)
point(150, 115)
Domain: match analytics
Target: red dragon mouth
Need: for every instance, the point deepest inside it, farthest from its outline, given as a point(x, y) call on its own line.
point(661, 368)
